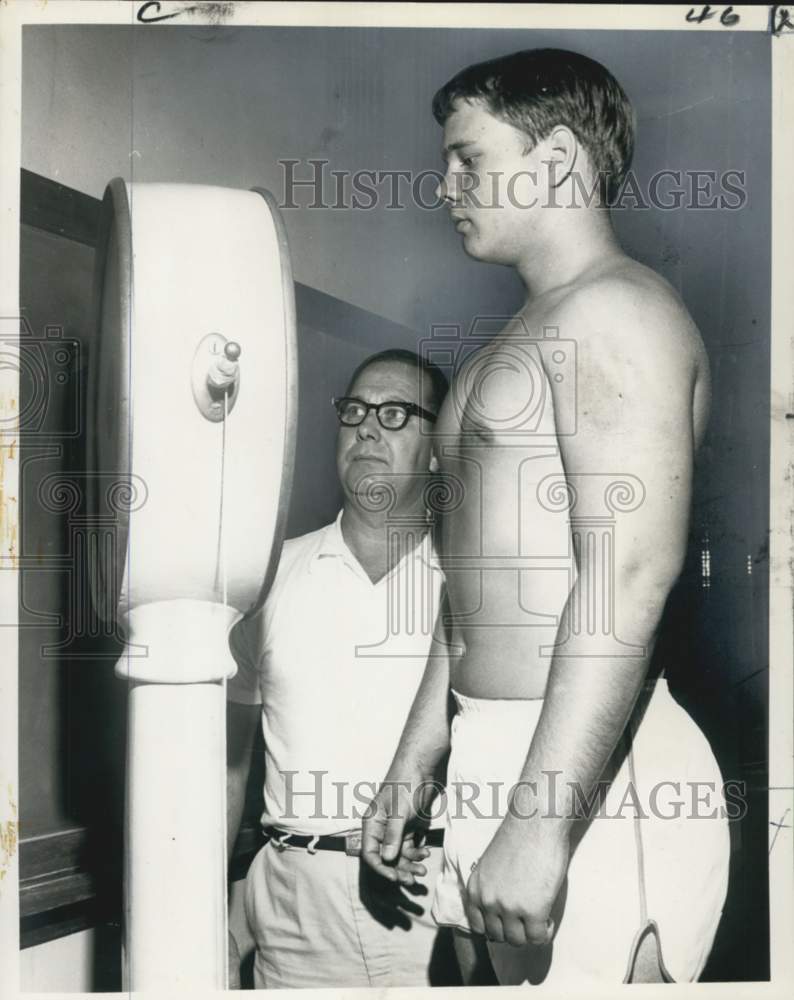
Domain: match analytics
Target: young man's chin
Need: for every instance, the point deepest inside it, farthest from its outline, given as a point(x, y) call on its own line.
point(472, 246)
point(478, 250)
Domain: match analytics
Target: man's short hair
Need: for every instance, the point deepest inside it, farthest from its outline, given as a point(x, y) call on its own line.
point(438, 380)
point(537, 89)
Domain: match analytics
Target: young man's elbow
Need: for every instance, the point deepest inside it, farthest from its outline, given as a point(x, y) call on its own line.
point(650, 580)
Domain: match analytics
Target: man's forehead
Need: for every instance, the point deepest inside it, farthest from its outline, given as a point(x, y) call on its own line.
point(393, 379)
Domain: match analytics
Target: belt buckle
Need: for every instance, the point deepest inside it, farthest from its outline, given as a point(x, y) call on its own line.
point(353, 844)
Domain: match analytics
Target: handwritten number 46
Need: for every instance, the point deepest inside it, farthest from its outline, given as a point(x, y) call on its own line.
point(727, 17)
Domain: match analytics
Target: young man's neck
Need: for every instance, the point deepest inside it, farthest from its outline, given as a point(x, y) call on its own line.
point(576, 241)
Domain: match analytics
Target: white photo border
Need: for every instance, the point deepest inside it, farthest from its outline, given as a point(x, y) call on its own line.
point(14, 14)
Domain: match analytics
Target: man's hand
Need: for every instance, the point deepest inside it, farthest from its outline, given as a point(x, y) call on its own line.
point(514, 886)
point(393, 904)
point(387, 842)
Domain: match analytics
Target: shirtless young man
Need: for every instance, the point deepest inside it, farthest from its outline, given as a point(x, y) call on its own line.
point(580, 447)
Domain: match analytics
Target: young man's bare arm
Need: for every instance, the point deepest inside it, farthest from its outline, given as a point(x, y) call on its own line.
point(423, 744)
point(634, 419)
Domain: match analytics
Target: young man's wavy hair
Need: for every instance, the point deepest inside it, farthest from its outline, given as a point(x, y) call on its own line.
point(538, 89)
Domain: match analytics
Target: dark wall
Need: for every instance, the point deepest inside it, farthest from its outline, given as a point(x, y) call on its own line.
point(225, 105)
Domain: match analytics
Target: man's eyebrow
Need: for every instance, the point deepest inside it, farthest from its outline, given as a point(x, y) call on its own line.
point(455, 145)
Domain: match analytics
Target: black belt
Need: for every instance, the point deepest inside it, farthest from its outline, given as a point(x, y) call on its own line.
point(349, 843)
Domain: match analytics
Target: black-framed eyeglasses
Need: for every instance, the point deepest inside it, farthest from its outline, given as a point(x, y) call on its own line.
point(392, 414)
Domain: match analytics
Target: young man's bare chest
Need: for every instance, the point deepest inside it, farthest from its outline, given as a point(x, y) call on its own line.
point(505, 389)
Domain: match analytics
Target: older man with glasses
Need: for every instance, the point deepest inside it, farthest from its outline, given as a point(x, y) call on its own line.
point(331, 667)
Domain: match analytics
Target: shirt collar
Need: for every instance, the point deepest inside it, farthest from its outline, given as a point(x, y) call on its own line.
point(427, 551)
point(332, 543)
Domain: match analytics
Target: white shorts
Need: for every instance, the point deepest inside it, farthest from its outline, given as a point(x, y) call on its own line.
point(684, 835)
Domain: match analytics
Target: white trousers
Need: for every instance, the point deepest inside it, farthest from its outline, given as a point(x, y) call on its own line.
point(684, 836)
point(325, 920)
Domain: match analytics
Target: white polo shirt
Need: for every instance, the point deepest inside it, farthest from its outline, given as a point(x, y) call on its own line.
point(335, 662)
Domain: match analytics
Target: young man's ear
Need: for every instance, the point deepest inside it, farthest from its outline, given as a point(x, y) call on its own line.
point(563, 148)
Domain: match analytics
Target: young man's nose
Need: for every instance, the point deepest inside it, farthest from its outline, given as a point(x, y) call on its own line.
point(446, 188)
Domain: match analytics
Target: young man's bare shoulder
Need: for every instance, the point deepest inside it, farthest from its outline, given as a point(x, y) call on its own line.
point(628, 307)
